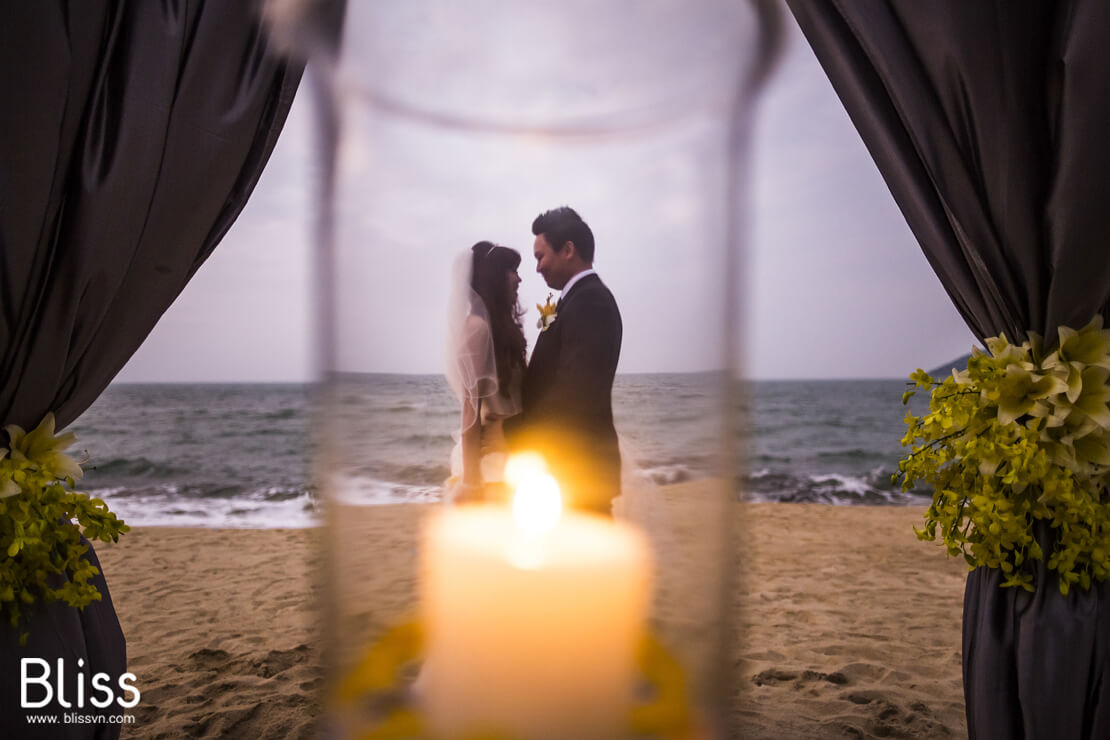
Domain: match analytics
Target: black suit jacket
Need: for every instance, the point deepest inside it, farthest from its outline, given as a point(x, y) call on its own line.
point(567, 396)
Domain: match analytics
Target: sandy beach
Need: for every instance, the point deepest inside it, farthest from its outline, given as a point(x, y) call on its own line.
point(846, 625)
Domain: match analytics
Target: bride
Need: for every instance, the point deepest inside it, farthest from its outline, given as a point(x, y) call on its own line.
point(485, 366)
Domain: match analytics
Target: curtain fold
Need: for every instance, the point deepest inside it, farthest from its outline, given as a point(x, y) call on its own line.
point(131, 136)
point(987, 120)
point(1035, 665)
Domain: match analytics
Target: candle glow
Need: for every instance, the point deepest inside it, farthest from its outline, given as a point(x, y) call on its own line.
point(537, 503)
point(532, 615)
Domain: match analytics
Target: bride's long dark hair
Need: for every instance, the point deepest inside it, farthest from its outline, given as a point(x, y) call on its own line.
point(489, 277)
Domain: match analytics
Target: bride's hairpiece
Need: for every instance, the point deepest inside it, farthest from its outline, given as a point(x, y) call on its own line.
point(490, 250)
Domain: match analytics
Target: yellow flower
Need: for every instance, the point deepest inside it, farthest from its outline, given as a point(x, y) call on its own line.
point(1001, 349)
point(1092, 449)
point(41, 447)
point(547, 314)
point(993, 478)
point(1019, 390)
point(1088, 346)
point(8, 487)
point(1094, 395)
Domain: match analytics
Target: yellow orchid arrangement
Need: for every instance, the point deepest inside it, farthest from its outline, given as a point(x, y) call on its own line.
point(1019, 436)
point(41, 522)
point(665, 715)
point(547, 314)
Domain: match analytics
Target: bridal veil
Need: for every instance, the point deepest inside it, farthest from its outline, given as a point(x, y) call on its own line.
point(471, 367)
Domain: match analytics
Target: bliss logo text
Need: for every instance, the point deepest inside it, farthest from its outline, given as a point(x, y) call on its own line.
point(36, 672)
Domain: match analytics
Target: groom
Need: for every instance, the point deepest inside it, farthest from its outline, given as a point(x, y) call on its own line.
point(567, 393)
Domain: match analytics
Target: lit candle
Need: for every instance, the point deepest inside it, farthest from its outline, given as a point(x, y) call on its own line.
point(532, 617)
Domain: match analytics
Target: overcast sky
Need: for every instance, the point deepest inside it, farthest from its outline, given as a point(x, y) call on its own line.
point(837, 287)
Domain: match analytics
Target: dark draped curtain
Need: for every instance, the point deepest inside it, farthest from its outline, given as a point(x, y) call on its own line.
point(131, 136)
point(989, 121)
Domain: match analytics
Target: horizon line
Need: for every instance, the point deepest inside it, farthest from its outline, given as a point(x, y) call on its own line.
point(791, 378)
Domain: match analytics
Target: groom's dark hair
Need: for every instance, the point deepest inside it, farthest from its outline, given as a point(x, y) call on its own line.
point(562, 225)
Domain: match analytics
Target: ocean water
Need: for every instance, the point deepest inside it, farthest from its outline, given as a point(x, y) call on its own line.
point(241, 455)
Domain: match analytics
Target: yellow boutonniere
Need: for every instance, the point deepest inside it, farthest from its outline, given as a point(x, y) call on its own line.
point(547, 314)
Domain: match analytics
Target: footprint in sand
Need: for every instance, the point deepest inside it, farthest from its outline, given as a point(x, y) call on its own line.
point(881, 715)
point(207, 659)
point(776, 676)
point(278, 661)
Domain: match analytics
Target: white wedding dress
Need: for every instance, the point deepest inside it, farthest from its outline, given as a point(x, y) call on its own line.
point(494, 409)
point(471, 371)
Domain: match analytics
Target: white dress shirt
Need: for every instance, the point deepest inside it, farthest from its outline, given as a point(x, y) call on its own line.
point(575, 279)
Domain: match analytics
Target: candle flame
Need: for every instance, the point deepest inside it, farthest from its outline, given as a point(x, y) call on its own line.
point(537, 503)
